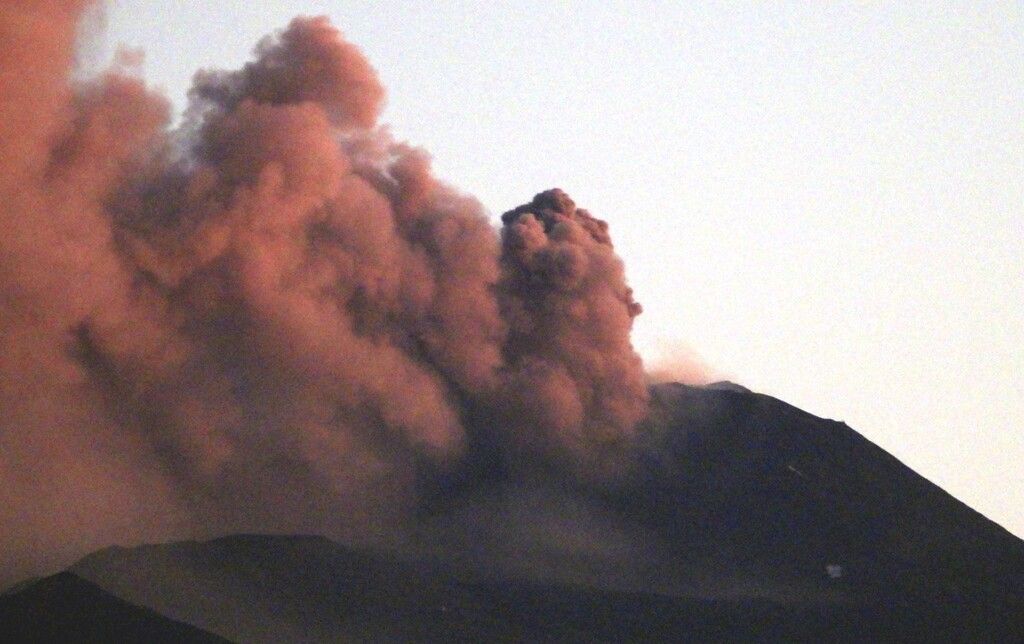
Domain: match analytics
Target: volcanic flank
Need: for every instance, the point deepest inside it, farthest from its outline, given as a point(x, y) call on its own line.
point(273, 316)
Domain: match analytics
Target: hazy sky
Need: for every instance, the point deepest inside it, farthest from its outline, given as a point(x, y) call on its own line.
point(825, 203)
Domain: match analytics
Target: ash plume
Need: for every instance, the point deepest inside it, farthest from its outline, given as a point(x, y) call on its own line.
point(569, 312)
point(273, 317)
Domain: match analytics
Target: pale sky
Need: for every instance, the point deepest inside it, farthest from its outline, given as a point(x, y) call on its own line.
point(824, 201)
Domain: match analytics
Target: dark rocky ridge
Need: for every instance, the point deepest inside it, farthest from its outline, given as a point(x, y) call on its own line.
point(306, 589)
point(66, 608)
point(745, 477)
point(748, 519)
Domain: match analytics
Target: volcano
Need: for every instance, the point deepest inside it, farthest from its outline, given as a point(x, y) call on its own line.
point(272, 318)
point(66, 608)
point(748, 519)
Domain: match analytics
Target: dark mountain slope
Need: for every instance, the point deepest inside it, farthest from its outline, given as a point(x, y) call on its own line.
point(748, 519)
point(66, 608)
point(306, 589)
point(745, 478)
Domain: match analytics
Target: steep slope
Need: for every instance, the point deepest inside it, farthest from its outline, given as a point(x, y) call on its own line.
point(747, 519)
point(743, 477)
point(66, 608)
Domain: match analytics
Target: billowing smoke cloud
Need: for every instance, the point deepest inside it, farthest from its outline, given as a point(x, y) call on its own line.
point(569, 310)
point(273, 317)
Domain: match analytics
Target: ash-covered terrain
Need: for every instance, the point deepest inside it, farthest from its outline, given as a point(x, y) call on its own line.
point(751, 520)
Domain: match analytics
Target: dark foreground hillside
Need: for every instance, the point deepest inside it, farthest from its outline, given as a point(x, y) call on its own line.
point(66, 608)
point(748, 520)
point(306, 589)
